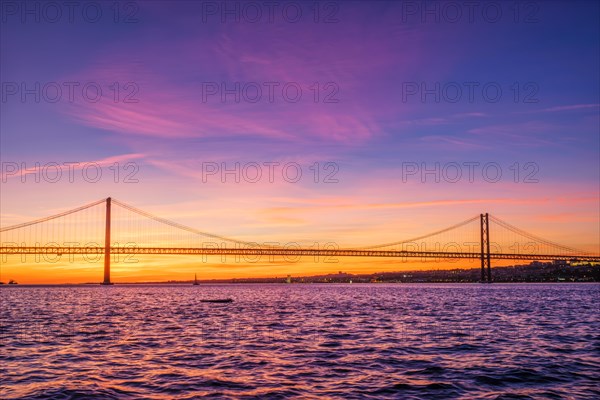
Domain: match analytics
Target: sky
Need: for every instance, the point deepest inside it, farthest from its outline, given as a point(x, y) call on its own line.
point(500, 100)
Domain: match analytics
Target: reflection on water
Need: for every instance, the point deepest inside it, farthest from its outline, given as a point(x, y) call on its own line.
point(342, 341)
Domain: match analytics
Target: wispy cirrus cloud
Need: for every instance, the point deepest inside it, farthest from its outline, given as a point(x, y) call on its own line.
point(571, 107)
point(74, 165)
point(529, 133)
point(339, 103)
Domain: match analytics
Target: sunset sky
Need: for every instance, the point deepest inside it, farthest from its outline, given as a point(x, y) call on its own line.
point(384, 87)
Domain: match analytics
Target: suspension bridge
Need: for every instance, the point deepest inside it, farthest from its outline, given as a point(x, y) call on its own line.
point(109, 226)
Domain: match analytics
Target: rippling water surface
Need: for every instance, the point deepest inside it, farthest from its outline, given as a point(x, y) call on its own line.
point(310, 341)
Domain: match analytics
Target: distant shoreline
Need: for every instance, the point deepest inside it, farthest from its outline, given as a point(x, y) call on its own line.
point(293, 284)
point(535, 272)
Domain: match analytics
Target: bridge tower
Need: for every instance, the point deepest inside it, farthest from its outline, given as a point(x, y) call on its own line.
point(107, 246)
point(485, 248)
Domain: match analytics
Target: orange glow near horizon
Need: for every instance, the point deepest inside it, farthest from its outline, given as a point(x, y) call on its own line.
point(317, 219)
point(182, 268)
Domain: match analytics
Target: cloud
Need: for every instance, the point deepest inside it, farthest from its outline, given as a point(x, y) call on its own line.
point(338, 103)
point(569, 108)
point(471, 114)
point(529, 133)
point(70, 165)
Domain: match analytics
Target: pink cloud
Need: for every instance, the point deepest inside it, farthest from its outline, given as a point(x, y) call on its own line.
point(530, 133)
point(172, 106)
point(569, 107)
point(74, 165)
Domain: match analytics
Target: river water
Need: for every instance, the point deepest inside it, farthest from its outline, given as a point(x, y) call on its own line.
point(421, 341)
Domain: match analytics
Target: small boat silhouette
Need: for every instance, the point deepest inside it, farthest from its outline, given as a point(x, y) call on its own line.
point(216, 301)
point(195, 280)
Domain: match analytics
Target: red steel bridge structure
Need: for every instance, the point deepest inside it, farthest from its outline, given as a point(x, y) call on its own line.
point(75, 232)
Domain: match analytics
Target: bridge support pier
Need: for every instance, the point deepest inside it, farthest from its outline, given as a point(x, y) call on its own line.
point(107, 246)
point(485, 249)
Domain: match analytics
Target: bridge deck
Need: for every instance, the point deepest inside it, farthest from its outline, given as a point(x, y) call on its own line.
point(289, 252)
